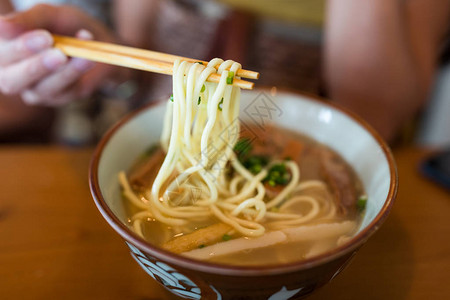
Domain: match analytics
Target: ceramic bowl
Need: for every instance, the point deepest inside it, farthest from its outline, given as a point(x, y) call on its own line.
point(344, 132)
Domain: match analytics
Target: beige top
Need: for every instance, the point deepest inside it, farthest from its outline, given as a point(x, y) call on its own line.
point(298, 11)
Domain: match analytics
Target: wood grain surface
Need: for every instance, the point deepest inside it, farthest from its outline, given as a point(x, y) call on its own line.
point(54, 244)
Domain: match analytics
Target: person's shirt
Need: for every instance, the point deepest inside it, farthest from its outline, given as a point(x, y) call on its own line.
point(96, 8)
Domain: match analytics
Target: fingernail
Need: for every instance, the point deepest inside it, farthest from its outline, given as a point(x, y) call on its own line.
point(30, 98)
point(38, 41)
point(85, 34)
point(53, 59)
point(82, 64)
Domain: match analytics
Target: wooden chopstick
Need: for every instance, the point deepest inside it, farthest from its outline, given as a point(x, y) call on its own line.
point(135, 58)
point(139, 53)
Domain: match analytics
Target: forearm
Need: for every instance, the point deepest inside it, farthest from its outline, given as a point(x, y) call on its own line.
point(5, 7)
point(371, 65)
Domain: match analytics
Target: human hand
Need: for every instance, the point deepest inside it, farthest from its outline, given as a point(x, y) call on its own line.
point(29, 66)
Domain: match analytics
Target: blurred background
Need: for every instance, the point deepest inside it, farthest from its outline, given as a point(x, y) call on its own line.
point(283, 40)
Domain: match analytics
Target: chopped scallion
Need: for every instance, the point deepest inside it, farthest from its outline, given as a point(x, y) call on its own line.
point(362, 202)
point(230, 77)
point(203, 89)
point(200, 62)
point(226, 237)
point(220, 105)
point(199, 100)
point(201, 246)
point(255, 169)
point(278, 174)
point(243, 147)
point(255, 163)
point(171, 98)
point(150, 150)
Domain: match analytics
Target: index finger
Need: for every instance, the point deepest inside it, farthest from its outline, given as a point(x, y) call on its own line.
point(24, 46)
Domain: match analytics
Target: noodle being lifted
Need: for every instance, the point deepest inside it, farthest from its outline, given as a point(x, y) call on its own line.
point(211, 197)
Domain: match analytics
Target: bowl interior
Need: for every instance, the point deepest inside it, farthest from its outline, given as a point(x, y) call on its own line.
point(291, 111)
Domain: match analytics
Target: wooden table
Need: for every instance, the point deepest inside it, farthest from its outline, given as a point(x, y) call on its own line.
point(55, 245)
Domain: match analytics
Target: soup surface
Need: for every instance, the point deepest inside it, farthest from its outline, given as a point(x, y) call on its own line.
point(328, 203)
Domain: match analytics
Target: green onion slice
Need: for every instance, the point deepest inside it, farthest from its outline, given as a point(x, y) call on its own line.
point(230, 77)
point(226, 237)
point(362, 202)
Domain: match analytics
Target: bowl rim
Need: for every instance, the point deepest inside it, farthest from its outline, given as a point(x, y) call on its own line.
point(236, 270)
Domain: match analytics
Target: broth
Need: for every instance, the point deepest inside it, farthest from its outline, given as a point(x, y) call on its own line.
point(339, 216)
